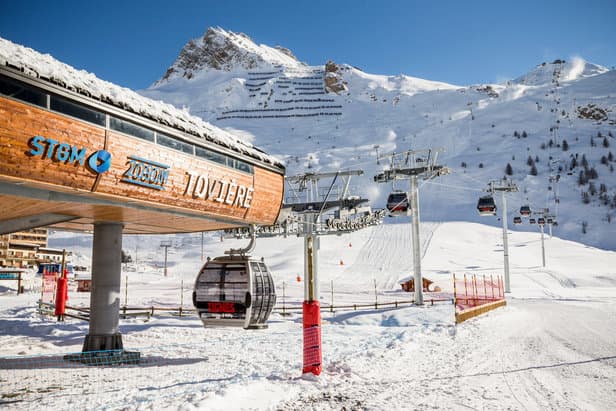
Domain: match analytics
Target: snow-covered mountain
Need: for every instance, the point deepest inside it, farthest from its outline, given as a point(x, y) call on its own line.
point(557, 121)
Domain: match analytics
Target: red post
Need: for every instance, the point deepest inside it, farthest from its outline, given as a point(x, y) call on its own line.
point(485, 289)
point(492, 286)
point(465, 290)
point(61, 297)
point(474, 290)
point(312, 338)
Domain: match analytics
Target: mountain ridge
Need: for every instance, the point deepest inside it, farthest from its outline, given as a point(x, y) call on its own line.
point(293, 112)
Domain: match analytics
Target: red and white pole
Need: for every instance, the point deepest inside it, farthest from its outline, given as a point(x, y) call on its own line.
point(311, 309)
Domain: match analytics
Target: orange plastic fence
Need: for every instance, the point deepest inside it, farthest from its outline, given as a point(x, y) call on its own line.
point(471, 290)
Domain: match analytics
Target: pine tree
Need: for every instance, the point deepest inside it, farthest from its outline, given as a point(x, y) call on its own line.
point(509, 170)
point(606, 142)
point(565, 145)
point(582, 178)
point(530, 162)
point(533, 170)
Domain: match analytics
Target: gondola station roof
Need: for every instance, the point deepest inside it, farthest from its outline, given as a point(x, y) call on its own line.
point(44, 67)
point(77, 150)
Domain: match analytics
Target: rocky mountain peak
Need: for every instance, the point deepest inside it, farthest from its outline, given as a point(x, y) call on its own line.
point(224, 50)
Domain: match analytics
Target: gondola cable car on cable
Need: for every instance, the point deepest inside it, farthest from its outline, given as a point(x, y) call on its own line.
point(525, 210)
point(398, 203)
point(532, 221)
point(235, 290)
point(486, 206)
point(517, 220)
point(541, 221)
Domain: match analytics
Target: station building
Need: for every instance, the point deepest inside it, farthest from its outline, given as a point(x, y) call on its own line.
point(83, 154)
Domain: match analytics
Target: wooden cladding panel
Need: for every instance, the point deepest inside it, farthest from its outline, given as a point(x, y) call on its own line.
point(175, 190)
point(266, 205)
point(19, 123)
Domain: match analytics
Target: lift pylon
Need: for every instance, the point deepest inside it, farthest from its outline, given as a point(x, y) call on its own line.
point(504, 186)
point(410, 165)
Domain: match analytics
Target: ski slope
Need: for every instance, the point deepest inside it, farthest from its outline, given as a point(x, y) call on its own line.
point(551, 347)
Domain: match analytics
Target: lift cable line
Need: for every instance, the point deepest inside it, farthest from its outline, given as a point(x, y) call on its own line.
point(417, 163)
point(504, 186)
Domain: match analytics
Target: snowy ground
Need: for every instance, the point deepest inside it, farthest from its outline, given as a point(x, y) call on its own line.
point(551, 347)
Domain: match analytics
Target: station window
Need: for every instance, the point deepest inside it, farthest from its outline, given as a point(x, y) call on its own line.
point(170, 142)
point(130, 128)
point(23, 92)
point(246, 168)
point(211, 155)
point(65, 106)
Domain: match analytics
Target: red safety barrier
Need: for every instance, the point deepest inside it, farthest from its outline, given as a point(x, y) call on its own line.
point(312, 338)
point(472, 291)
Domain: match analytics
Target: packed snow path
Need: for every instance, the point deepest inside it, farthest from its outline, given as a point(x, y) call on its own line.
point(551, 347)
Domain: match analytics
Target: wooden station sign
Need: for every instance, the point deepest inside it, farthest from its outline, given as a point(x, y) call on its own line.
point(148, 187)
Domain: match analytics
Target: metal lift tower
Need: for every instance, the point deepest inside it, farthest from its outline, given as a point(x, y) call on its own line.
point(409, 165)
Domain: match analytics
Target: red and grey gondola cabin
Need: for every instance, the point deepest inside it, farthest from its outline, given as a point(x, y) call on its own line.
point(398, 203)
point(532, 221)
point(234, 291)
point(525, 211)
point(517, 220)
point(486, 206)
point(541, 221)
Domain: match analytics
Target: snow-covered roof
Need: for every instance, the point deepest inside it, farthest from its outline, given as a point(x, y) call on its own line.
point(44, 66)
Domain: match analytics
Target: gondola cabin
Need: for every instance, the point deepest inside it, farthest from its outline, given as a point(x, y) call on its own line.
point(517, 220)
point(550, 221)
point(486, 206)
point(541, 221)
point(398, 203)
point(532, 221)
point(525, 211)
point(234, 291)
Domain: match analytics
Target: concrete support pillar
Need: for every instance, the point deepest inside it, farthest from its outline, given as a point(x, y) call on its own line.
point(105, 295)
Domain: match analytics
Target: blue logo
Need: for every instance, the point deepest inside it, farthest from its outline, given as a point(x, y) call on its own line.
point(100, 161)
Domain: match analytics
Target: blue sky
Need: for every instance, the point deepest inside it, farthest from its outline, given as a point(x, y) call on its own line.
point(132, 43)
